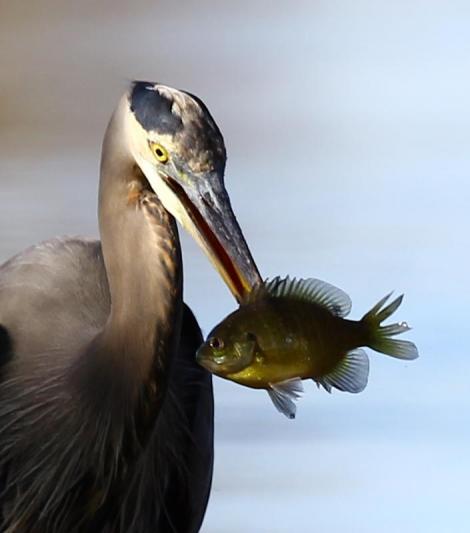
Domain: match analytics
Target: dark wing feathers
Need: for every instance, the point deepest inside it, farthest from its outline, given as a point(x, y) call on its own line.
point(193, 386)
point(5, 347)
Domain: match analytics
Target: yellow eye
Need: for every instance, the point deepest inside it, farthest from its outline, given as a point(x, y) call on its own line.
point(160, 152)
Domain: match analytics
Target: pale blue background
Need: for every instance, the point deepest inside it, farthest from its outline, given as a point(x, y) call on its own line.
point(347, 127)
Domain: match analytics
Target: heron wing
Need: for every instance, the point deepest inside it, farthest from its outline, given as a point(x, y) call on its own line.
point(192, 386)
point(169, 488)
point(53, 294)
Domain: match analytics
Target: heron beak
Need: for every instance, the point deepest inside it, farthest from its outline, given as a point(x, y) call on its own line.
point(207, 214)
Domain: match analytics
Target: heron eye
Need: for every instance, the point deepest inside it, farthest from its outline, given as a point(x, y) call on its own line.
point(216, 343)
point(160, 152)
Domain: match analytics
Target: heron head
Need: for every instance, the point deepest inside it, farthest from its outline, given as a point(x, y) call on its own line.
point(180, 150)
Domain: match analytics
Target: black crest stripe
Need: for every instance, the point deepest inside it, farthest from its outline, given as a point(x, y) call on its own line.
point(153, 110)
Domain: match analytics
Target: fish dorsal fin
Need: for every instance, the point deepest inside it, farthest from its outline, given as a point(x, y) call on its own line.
point(350, 375)
point(309, 290)
point(283, 395)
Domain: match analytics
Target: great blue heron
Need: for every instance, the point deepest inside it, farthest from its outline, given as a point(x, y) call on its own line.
point(106, 422)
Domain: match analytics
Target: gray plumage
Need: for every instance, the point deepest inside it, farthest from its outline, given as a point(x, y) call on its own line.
point(106, 421)
point(33, 289)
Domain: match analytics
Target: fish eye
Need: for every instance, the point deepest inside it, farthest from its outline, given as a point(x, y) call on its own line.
point(216, 343)
point(160, 152)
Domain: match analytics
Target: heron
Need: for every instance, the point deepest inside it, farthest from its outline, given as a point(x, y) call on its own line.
point(106, 420)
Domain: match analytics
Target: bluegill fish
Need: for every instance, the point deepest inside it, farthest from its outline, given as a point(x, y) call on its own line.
point(289, 330)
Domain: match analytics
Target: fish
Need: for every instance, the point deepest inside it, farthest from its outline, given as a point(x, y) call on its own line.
point(288, 330)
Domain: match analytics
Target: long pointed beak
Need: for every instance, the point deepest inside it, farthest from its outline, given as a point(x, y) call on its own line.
point(214, 225)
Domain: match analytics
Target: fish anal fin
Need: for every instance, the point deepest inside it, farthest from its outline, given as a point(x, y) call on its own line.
point(322, 383)
point(284, 394)
point(350, 375)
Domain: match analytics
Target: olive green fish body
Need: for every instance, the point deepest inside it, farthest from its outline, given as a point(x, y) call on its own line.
point(294, 339)
point(291, 330)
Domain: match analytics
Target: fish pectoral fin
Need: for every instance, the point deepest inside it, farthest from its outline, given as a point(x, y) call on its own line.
point(351, 373)
point(283, 394)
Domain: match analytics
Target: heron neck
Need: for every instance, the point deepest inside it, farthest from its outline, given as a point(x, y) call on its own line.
point(142, 257)
point(143, 264)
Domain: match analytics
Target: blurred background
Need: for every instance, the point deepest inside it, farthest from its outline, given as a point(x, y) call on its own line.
point(347, 127)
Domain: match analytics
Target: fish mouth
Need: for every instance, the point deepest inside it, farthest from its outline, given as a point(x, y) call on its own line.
point(208, 363)
point(227, 363)
point(212, 222)
point(222, 369)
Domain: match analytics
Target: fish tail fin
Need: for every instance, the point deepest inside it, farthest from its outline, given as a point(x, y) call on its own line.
point(379, 337)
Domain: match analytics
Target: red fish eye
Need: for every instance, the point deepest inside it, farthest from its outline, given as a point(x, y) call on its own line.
point(216, 343)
